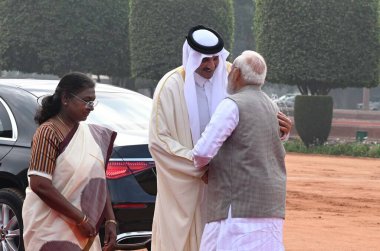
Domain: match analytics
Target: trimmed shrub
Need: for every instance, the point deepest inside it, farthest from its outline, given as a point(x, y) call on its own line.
point(374, 151)
point(313, 116)
point(319, 45)
point(55, 37)
point(159, 28)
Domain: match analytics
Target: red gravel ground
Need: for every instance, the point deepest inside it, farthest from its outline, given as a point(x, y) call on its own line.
point(333, 203)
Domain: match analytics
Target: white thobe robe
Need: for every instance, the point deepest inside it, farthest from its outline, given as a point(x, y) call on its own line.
point(203, 89)
point(177, 222)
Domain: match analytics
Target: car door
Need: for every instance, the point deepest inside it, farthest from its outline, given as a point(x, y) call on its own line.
point(8, 132)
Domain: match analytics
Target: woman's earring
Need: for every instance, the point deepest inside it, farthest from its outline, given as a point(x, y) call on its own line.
point(65, 103)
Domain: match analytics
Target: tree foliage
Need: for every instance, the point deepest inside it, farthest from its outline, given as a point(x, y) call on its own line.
point(56, 37)
point(319, 44)
point(158, 30)
point(243, 27)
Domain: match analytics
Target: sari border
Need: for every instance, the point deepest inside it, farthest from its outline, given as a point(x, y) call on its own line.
point(110, 148)
point(67, 139)
point(109, 151)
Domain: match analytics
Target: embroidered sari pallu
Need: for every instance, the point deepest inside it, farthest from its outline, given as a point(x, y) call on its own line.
point(80, 177)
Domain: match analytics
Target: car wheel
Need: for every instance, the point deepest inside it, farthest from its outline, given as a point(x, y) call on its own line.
point(10, 219)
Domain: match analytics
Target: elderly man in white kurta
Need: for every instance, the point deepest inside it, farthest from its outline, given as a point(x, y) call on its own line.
point(183, 103)
point(247, 176)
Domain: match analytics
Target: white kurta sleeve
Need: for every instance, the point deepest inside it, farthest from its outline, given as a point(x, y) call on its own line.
point(223, 122)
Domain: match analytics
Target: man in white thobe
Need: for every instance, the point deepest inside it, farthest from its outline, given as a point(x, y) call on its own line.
point(247, 177)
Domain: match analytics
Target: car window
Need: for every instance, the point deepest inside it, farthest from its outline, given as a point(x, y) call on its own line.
point(122, 112)
point(5, 122)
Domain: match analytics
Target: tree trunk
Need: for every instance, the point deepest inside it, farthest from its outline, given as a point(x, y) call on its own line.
point(366, 98)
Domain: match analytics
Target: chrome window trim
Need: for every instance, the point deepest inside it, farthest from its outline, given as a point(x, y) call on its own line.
point(133, 234)
point(13, 123)
point(147, 235)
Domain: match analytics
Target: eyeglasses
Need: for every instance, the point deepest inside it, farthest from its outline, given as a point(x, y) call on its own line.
point(89, 104)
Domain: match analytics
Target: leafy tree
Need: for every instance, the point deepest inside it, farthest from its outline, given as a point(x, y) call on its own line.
point(68, 35)
point(319, 44)
point(158, 30)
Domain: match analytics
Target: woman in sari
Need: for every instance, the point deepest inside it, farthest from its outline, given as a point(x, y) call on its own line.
point(67, 198)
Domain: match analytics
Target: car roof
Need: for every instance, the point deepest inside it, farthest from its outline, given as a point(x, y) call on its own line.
point(38, 86)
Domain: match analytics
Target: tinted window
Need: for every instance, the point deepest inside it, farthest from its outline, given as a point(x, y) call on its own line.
point(5, 123)
point(122, 112)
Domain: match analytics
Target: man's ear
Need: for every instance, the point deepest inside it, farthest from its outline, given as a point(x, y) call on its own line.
point(237, 75)
point(239, 80)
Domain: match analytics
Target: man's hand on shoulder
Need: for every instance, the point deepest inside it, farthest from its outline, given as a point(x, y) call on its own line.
point(285, 124)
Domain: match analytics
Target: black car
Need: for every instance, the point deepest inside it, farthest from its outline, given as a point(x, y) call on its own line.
point(130, 172)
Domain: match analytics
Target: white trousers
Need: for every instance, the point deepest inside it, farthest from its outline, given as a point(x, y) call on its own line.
point(243, 234)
